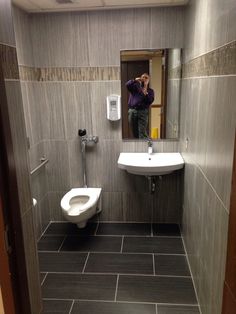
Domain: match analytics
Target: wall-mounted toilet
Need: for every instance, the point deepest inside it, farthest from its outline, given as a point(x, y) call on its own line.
point(80, 204)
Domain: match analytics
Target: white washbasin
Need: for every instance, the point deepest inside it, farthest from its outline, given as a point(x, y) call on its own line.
point(150, 165)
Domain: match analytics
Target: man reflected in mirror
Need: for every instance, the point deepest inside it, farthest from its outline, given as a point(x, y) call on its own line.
point(140, 99)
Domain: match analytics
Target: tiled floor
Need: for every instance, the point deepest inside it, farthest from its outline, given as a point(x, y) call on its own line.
point(115, 268)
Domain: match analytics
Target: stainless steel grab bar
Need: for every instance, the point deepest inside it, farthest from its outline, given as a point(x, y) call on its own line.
point(44, 161)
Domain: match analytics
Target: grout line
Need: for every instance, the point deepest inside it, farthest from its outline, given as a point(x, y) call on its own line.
point(62, 244)
point(85, 263)
point(44, 231)
point(107, 252)
point(44, 279)
point(194, 286)
point(122, 243)
point(115, 274)
point(153, 259)
point(71, 306)
point(113, 235)
point(127, 302)
point(96, 230)
point(156, 309)
point(116, 287)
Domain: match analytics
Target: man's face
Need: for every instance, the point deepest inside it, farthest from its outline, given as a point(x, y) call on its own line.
point(145, 78)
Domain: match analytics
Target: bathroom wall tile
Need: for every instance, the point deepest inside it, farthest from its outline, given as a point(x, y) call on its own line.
point(75, 161)
point(80, 116)
point(36, 103)
point(167, 199)
point(54, 199)
point(36, 152)
point(22, 34)
point(80, 39)
point(26, 112)
point(165, 33)
point(169, 147)
point(37, 220)
point(46, 32)
point(17, 124)
point(8, 58)
point(141, 21)
point(101, 126)
point(201, 18)
point(172, 114)
point(45, 212)
point(6, 27)
point(137, 207)
point(220, 137)
point(112, 206)
point(106, 22)
point(32, 265)
point(58, 166)
point(54, 125)
point(205, 233)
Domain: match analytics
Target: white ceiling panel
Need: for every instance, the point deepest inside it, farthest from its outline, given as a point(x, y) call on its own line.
point(81, 5)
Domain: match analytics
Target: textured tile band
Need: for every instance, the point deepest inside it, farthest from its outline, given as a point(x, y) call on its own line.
point(70, 74)
point(221, 61)
point(8, 59)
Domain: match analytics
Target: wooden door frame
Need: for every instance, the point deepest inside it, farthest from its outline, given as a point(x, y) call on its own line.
point(229, 298)
point(17, 282)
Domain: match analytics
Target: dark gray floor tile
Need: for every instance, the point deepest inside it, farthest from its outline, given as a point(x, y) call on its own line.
point(124, 229)
point(86, 307)
point(120, 263)
point(76, 286)
point(177, 309)
point(67, 228)
point(56, 306)
point(42, 276)
point(156, 289)
point(50, 243)
point(172, 265)
point(166, 230)
point(62, 261)
point(92, 243)
point(153, 245)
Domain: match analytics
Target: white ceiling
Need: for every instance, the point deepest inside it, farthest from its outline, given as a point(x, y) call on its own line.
point(81, 5)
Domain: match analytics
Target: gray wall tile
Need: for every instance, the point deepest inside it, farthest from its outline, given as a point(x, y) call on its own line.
point(22, 34)
point(58, 166)
point(6, 26)
point(17, 124)
point(208, 121)
point(32, 261)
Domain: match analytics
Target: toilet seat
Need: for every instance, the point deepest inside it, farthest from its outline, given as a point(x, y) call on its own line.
point(78, 205)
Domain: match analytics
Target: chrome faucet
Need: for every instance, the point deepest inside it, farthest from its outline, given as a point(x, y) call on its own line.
point(150, 147)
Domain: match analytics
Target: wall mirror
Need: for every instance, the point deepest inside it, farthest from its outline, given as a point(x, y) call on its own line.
point(142, 116)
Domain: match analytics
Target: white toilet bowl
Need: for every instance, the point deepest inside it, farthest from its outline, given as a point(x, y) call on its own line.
point(78, 205)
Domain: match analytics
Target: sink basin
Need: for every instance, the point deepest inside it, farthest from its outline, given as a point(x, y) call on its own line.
point(150, 165)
